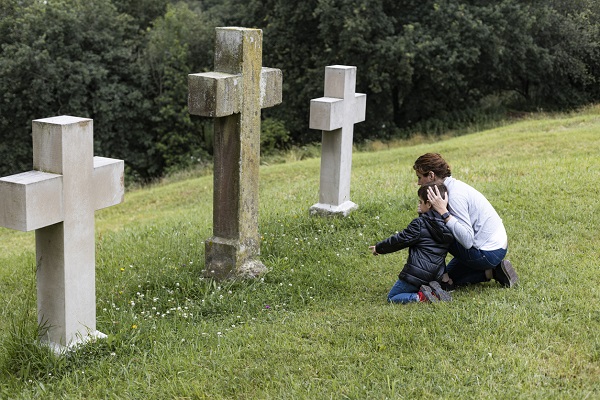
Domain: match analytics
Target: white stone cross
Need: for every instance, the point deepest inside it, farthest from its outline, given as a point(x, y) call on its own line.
point(235, 94)
point(57, 200)
point(335, 114)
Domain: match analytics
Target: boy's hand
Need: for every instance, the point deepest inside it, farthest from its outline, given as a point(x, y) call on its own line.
point(372, 248)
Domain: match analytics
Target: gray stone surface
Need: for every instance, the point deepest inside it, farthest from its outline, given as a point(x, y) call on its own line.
point(234, 94)
point(58, 200)
point(335, 114)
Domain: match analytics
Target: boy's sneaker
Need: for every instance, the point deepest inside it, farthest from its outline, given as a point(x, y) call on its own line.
point(505, 274)
point(439, 292)
point(428, 293)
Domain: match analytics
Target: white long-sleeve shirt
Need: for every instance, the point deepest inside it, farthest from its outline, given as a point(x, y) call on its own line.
point(476, 223)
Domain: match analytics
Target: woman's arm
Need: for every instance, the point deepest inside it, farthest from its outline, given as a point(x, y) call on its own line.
point(459, 221)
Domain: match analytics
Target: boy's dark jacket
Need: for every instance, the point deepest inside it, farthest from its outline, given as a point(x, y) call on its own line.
point(428, 240)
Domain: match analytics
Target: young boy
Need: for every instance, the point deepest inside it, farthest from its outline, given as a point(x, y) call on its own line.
point(428, 240)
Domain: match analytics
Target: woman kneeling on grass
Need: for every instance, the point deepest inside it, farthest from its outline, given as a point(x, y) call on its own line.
point(481, 241)
point(428, 240)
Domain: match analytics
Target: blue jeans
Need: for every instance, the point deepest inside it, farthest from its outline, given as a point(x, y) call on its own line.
point(403, 292)
point(469, 265)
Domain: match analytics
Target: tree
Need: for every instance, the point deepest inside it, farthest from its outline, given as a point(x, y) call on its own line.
point(179, 43)
point(63, 57)
point(570, 31)
point(142, 12)
point(430, 63)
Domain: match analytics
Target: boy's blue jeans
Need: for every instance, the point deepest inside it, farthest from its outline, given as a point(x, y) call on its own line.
point(469, 265)
point(403, 292)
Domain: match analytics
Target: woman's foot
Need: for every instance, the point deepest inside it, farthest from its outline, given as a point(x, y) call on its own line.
point(505, 274)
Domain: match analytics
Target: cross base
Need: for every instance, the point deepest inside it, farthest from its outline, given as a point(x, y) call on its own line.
point(228, 258)
point(326, 210)
point(251, 269)
point(60, 349)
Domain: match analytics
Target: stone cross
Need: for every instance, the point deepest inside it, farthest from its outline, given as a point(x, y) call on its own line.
point(335, 114)
point(234, 95)
point(57, 200)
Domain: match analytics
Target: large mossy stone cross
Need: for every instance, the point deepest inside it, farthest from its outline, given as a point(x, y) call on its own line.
point(234, 95)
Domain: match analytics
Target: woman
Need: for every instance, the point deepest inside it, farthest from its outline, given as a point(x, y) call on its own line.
point(481, 241)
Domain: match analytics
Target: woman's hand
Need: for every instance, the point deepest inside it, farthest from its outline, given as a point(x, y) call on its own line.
point(372, 248)
point(439, 203)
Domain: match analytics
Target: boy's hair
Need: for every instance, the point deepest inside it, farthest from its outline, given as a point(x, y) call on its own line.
point(422, 192)
point(432, 162)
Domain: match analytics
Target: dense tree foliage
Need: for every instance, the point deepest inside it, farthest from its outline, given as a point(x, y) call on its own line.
point(425, 65)
point(432, 64)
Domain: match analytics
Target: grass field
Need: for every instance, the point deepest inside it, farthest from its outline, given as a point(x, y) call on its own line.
point(317, 325)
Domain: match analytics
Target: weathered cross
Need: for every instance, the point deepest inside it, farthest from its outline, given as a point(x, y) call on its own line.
point(234, 95)
point(57, 200)
point(335, 114)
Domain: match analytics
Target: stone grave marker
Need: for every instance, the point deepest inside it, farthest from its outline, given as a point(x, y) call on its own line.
point(57, 200)
point(335, 114)
point(234, 94)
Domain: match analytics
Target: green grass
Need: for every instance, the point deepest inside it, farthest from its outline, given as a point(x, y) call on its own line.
point(317, 325)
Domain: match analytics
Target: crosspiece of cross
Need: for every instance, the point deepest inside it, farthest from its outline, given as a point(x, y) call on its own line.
point(58, 200)
point(335, 114)
point(234, 94)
